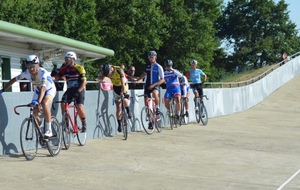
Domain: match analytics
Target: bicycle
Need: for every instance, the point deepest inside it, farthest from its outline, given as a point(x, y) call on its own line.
point(31, 135)
point(184, 118)
point(201, 114)
point(148, 115)
point(124, 119)
point(174, 121)
point(75, 129)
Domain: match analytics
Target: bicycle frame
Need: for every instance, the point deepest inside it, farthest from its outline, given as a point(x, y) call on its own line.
point(73, 120)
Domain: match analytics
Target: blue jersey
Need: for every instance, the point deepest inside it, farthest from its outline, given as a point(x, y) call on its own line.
point(154, 73)
point(195, 75)
point(171, 78)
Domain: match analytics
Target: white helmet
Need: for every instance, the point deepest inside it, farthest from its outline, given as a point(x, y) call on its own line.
point(33, 59)
point(71, 55)
point(194, 62)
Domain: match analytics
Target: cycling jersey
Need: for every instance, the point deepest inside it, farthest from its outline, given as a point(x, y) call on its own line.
point(195, 75)
point(117, 76)
point(171, 77)
point(154, 73)
point(42, 78)
point(172, 83)
point(74, 75)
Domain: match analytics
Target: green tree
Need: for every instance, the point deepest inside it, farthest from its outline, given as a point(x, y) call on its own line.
point(258, 31)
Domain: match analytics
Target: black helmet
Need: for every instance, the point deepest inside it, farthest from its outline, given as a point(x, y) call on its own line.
point(168, 63)
point(152, 53)
point(105, 69)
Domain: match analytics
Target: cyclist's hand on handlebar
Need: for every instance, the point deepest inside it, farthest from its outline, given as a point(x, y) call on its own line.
point(34, 103)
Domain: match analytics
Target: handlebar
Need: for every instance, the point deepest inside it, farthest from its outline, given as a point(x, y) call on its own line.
point(26, 105)
point(204, 96)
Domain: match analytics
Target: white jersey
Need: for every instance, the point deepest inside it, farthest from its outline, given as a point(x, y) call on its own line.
point(43, 78)
point(184, 81)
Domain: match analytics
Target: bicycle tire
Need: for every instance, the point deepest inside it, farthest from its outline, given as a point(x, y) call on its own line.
point(81, 136)
point(184, 119)
point(198, 112)
point(204, 115)
point(28, 139)
point(172, 114)
point(146, 118)
point(159, 124)
point(66, 132)
point(54, 142)
point(124, 124)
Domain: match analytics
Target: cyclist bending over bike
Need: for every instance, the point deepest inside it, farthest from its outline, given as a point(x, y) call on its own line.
point(120, 86)
point(195, 75)
point(173, 87)
point(185, 88)
point(44, 90)
point(154, 74)
point(76, 81)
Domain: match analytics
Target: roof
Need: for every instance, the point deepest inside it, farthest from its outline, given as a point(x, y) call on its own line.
point(40, 42)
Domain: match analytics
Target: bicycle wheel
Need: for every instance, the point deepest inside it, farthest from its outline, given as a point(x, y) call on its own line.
point(124, 124)
point(184, 119)
point(81, 136)
point(28, 139)
point(54, 142)
point(146, 119)
point(66, 132)
point(172, 114)
point(198, 112)
point(160, 123)
point(204, 115)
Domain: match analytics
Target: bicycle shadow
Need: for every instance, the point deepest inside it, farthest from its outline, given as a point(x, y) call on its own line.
point(7, 149)
point(102, 116)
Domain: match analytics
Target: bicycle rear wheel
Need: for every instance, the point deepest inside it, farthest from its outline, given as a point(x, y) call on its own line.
point(28, 139)
point(147, 120)
point(124, 125)
point(204, 115)
point(54, 142)
point(81, 136)
point(66, 132)
point(184, 119)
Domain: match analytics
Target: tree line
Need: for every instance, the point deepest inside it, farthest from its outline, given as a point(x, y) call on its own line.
point(181, 30)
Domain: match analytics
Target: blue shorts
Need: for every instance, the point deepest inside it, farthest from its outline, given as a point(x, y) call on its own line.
point(173, 91)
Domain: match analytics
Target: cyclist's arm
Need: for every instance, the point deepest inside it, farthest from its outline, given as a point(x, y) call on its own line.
point(41, 94)
point(11, 82)
point(142, 76)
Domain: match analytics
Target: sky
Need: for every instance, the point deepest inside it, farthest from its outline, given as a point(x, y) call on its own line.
point(293, 7)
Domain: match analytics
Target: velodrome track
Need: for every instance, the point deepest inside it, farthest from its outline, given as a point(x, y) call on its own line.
point(255, 149)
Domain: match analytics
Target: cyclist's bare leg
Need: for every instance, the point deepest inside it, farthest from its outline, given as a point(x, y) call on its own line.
point(178, 105)
point(155, 95)
point(119, 110)
point(186, 103)
point(81, 111)
point(167, 103)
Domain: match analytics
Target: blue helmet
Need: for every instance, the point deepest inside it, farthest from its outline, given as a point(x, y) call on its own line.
point(105, 69)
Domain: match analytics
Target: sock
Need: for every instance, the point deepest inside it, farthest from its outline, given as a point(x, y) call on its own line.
point(119, 123)
point(83, 120)
point(157, 106)
point(127, 109)
point(48, 126)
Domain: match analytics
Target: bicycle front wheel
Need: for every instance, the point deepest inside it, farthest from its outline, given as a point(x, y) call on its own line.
point(124, 125)
point(147, 120)
point(54, 142)
point(81, 136)
point(204, 115)
point(66, 132)
point(160, 123)
point(198, 112)
point(28, 139)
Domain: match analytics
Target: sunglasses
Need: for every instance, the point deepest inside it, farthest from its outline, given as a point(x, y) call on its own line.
point(31, 66)
point(68, 58)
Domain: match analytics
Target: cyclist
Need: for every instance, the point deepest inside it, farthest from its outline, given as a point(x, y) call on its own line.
point(44, 89)
point(155, 77)
point(195, 75)
point(173, 86)
point(120, 86)
point(75, 76)
point(185, 88)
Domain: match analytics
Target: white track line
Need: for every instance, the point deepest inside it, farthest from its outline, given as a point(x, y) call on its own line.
point(289, 180)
